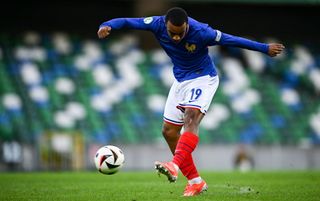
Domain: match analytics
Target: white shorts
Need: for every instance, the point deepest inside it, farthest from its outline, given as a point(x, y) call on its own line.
point(196, 93)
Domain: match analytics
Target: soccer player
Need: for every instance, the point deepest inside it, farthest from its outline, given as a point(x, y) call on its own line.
point(186, 42)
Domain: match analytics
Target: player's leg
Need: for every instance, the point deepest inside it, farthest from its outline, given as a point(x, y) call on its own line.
point(200, 94)
point(171, 134)
point(185, 146)
point(189, 139)
point(196, 98)
point(172, 118)
point(173, 122)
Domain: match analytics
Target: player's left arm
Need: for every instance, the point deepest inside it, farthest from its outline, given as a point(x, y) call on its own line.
point(220, 38)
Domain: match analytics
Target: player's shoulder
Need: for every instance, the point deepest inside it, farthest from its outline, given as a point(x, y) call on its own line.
point(197, 25)
point(153, 20)
point(155, 23)
point(203, 30)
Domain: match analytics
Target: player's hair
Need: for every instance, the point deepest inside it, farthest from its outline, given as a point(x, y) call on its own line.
point(177, 16)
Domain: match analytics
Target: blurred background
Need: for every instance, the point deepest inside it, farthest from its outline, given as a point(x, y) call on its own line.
point(64, 93)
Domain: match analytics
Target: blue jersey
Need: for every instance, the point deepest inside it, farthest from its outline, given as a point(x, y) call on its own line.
point(190, 56)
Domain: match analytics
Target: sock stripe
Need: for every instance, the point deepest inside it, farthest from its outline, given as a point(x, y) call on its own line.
point(178, 153)
point(191, 149)
point(182, 149)
point(188, 165)
point(179, 156)
point(185, 146)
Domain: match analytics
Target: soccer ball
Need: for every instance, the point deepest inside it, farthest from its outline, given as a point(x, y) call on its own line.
point(109, 159)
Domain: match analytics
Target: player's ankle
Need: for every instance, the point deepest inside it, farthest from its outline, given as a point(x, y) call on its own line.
point(196, 180)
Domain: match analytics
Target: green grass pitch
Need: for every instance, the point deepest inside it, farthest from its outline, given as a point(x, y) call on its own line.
point(147, 186)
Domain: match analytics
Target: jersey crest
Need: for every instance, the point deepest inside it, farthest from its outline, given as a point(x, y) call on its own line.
point(190, 47)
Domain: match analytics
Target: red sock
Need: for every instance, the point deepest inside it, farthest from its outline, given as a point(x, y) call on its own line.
point(188, 168)
point(186, 144)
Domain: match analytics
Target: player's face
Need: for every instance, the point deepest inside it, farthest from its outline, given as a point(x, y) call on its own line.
point(177, 33)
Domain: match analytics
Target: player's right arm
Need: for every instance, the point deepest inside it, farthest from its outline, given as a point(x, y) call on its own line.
point(128, 23)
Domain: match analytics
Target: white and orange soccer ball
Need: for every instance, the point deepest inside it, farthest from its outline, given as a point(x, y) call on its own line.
point(109, 159)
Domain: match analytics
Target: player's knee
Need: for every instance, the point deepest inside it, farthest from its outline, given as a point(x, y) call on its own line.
point(192, 120)
point(169, 132)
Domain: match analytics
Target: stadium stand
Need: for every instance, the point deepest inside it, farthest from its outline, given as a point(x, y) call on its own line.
point(112, 91)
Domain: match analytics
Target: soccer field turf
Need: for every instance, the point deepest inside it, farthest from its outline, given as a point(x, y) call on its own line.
point(147, 186)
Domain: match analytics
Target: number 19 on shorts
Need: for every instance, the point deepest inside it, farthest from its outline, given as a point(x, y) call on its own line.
point(195, 94)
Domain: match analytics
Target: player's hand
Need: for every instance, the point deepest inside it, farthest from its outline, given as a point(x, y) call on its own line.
point(275, 49)
point(104, 31)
